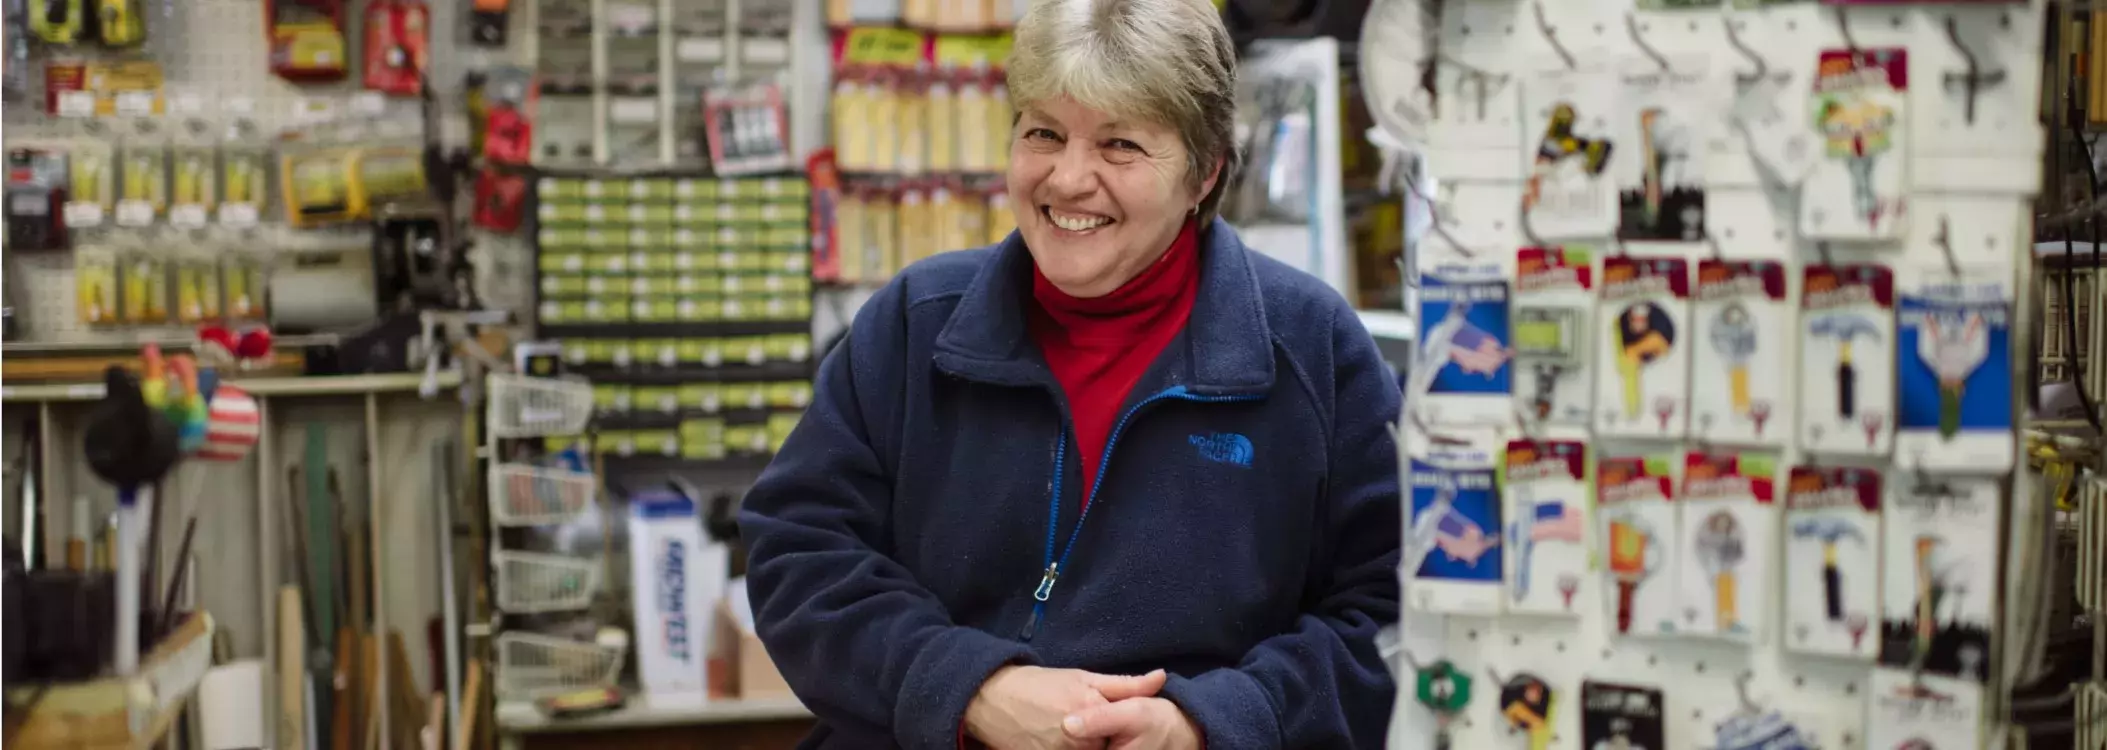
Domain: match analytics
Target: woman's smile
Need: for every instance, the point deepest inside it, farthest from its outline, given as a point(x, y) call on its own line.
point(1074, 223)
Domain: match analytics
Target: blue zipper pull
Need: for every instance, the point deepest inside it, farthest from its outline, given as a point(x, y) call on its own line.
point(1040, 594)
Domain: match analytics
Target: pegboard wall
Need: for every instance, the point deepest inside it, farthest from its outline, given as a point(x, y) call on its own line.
point(213, 56)
point(1962, 153)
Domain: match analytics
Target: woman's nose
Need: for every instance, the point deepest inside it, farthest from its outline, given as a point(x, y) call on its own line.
point(1074, 172)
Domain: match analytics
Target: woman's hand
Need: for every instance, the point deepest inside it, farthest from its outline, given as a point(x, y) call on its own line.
point(1138, 724)
point(1022, 708)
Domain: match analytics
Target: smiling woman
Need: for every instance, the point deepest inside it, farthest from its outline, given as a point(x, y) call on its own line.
point(946, 551)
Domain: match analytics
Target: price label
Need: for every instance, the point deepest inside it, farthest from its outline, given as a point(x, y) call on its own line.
point(772, 187)
point(710, 402)
point(639, 189)
point(595, 284)
point(724, 212)
point(732, 284)
point(594, 309)
point(636, 213)
point(618, 264)
point(727, 260)
point(683, 262)
point(622, 357)
point(134, 213)
point(800, 397)
point(76, 104)
point(369, 103)
point(592, 188)
point(546, 185)
point(726, 236)
point(712, 357)
point(137, 103)
point(733, 309)
point(768, 50)
point(699, 49)
point(84, 214)
point(595, 212)
point(793, 263)
point(574, 263)
point(771, 212)
point(800, 351)
point(878, 46)
point(688, 308)
point(683, 213)
point(772, 283)
point(668, 357)
point(684, 238)
point(684, 189)
point(756, 355)
point(187, 216)
point(639, 236)
point(634, 111)
point(776, 307)
point(971, 51)
point(637, 261)
point(640, 286)
point(239, 106)
point(186, 104)
point(238, 215)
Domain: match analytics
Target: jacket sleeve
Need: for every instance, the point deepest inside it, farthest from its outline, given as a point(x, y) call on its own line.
point(1322, 683)
point(863, 644)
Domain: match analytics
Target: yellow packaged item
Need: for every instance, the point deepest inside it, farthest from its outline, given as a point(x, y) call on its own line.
point(385, 175)
point(851, 125)
point(241, 277)
point(145, 279)
point(1000, 220)
point(941, 121)
point(882, 220)
point(884, 126)
point(197, 288)
point(972, 133)
point(242, 175)
point(95, 286)
point(943, 229)
point(317, 186)
point(913, 133)
point(913, 235)
point(146, 175)
point(88, 174)
point(998, 121)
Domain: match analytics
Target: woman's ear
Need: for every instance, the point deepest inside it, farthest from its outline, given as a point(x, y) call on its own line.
point(1214, 175)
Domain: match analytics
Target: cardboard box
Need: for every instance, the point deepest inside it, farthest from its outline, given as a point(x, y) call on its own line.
point(120, 712)
point(751, 674)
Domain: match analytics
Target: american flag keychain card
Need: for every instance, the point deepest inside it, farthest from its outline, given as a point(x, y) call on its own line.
point(1544, 484)
point(1452, 545)
point(1463, 374)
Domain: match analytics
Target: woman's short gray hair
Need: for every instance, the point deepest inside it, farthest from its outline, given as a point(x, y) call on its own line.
point(1165, 61)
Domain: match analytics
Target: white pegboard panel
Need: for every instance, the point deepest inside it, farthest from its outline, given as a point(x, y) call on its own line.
point(1755, 168)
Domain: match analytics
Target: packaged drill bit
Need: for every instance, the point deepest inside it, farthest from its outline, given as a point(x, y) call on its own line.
point(90, 188)
point(144, 188)
point(197, 286)
point(243, 177)
point(242, 280)
point(144, 275)
point(95, 285)
point(193, 173)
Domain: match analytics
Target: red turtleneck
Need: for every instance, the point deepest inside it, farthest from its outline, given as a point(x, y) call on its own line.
point(1099, 347)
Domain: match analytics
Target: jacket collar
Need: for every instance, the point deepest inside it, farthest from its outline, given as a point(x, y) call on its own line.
point(1226, 348)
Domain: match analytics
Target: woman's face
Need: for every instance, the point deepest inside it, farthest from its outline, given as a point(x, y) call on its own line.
point(1098, 198)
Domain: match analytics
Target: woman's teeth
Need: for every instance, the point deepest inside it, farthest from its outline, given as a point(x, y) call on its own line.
point(1076, 223)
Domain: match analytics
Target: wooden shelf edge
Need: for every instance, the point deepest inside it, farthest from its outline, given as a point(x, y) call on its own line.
point(521, 717)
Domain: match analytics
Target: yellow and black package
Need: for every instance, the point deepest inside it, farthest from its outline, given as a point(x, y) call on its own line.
point(144, 192)
point(241, 277)
point(192, 188)
point(386, 175)
point(197, 287)
point(317, 186)
point(145, 280)
point(95, 285)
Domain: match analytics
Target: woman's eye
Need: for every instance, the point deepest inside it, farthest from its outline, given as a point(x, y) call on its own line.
point(1041, 134)
point(1122, 144)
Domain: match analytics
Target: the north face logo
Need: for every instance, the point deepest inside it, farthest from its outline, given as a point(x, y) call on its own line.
point(1224, 447)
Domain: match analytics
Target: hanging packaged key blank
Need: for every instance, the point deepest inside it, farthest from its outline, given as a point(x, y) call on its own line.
point(1644, 347)
point(1462, 374)
point(1635, 496)
point(1666, 117)
point(1847, 369)
point(1953, 373)
point(1858, 188)
point(1549, 505)
point(1567, 117)
point(1617, 717)
point(1729, 522)
point(1554, 302)
point(1453, 536)
point(1832, 561)
point(1939, 557)
point(1740, 342)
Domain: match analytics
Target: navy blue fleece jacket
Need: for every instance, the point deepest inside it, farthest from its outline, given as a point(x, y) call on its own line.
point(1243, 535)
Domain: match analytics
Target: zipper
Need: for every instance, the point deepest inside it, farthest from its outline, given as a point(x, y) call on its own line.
point(1052, 572)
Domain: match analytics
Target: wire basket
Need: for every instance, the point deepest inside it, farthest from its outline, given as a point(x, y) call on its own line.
point(533, 665)
point(521, 406)
point(529, 495)
point(529, 582)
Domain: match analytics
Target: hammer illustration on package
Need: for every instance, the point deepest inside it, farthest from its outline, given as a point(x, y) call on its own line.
point(1830, 532)
point(1846, 328)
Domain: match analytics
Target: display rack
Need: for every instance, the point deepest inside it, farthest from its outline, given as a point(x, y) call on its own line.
point(1971, 149)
